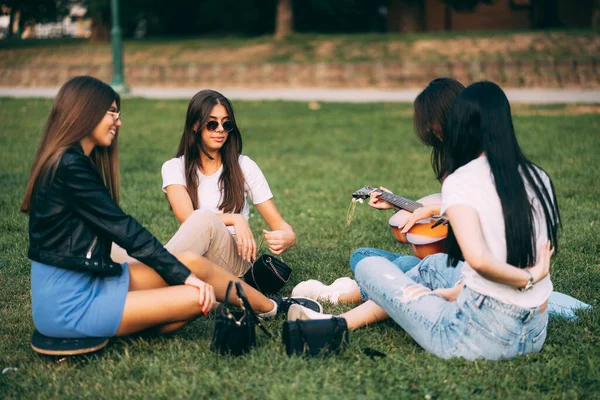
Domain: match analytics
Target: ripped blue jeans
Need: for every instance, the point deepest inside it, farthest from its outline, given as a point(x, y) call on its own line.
point(559, 304)
point(474, 326)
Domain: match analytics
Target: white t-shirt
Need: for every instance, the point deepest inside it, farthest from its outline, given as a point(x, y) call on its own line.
point(209, 195)
point(473, 185)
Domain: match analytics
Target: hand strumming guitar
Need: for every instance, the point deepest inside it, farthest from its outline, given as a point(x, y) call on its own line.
point(419, 214)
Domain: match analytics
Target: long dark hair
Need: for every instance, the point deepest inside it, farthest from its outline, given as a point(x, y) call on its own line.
point(232, 180)
point(481, 122)
point(78, 108)
point(431, 110)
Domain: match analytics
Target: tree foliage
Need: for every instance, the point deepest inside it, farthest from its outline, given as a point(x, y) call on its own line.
point(187, 17)
point(38, 10)
point(35, 10)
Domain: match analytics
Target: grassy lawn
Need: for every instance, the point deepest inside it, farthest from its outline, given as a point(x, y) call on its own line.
point(313, 160)
point(313, 48)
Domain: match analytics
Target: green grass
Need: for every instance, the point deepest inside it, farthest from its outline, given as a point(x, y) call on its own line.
point(313, 160)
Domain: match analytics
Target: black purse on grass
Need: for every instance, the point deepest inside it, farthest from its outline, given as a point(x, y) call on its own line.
point(235, 331)
point(315, 337)
point(268, 274)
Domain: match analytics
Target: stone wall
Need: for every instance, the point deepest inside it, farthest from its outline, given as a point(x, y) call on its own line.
point(583, 73)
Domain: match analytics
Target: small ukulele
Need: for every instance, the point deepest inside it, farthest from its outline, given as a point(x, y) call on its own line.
point(427, 236)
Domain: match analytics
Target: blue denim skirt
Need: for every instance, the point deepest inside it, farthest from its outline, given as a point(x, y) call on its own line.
point(73, 304)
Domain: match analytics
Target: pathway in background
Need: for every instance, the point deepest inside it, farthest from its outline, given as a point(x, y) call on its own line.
point(528, 96)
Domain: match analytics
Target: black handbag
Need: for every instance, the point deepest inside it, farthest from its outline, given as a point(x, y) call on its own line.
point(235, 331)
point(315, 337)
point(268, 274)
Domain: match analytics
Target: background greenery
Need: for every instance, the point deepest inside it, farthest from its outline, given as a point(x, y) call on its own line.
point(434, 47)
point(314, 158)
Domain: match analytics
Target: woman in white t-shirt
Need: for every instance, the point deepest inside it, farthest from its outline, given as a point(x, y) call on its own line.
point(504, 218)
point(208, 183)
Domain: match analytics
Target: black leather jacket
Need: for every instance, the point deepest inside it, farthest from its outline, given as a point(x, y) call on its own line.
point(73, 221)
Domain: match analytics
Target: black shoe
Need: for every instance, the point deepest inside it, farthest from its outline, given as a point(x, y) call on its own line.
point(284, 303)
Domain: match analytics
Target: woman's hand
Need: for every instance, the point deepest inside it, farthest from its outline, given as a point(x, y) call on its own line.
point(375, 202)
point(542, 268)
point(419, 214)
point(207, 298)
point(245, 239)
point(450, 294)
point(280, 240)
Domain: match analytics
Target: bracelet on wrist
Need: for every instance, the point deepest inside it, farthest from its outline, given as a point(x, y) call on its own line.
point(529, 284)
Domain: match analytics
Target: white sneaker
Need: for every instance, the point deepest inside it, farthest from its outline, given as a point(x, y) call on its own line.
point(316, 290)
point(297, 311)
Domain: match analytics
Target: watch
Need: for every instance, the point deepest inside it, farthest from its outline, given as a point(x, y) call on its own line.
point(529, 284)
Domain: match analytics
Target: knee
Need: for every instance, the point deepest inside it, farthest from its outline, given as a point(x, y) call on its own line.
point(203, 216)
point(203, 222)
point(194, 261)
point(188, 258)
point(206, 219)
point(364, 268)
point(357, 256)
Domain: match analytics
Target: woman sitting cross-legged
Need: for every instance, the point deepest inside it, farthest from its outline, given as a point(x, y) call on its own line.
point(431, 110)
point(207, 185)
point(72, 201)
point(504, 217)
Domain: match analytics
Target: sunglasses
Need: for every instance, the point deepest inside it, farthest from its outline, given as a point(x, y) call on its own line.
point(213, 125)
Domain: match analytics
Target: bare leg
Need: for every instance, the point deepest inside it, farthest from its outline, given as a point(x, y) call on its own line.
point(352, 297)
point(365, 314)
point(144, 277)
point(149, 308)
point(219, 278)
point(152, 303)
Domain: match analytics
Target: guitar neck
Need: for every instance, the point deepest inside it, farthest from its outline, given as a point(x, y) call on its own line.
point(400, 202)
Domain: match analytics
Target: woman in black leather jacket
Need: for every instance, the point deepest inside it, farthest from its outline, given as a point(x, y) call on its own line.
point(71, 198)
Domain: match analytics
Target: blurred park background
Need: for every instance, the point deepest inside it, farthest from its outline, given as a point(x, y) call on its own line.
point(314, 154)
point(304, 43)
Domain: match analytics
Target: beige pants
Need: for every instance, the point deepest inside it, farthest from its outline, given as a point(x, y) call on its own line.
point(202, 233)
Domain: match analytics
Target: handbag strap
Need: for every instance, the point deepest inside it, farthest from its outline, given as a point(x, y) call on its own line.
point(254, 279)
point(270, 262)
point(226, 301)
point(262, 239)
point(226, 304)
point(246, 305)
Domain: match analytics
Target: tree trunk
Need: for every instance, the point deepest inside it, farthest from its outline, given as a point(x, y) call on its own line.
point(596, 15)
point(545, 14)
point(100, 30)
point(283, 19)
point(406, 15)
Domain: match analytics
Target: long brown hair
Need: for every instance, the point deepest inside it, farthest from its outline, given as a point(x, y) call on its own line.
point(431, 112)
point(79, 107)
point(232, 180)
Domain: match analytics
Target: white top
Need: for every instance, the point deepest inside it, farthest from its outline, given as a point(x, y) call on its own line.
point(209, 194)
point(473, 185)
